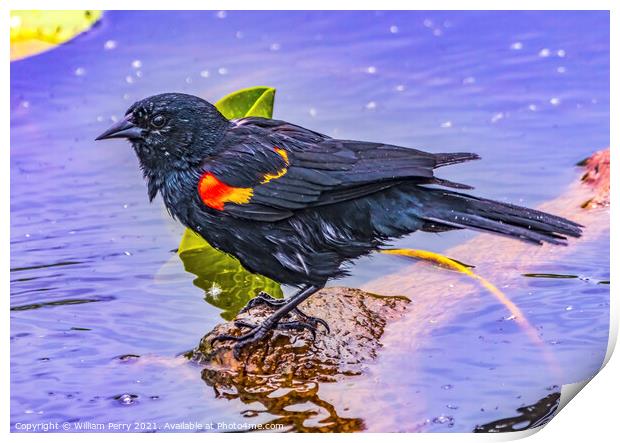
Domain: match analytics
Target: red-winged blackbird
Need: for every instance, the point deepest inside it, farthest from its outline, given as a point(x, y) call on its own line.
point(298, 206)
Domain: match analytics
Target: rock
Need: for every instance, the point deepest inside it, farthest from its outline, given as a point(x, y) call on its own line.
point(282, 373)
point(531, 416)
point(597, 176)
point(356, 318)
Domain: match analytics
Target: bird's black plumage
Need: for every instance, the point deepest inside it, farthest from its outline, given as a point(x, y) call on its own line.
point(296, 205)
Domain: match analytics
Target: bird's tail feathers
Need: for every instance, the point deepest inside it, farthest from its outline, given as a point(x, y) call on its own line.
point(453, 210)
point(452, 158)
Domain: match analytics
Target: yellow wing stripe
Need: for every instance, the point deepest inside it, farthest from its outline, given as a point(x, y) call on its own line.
point(268, 177)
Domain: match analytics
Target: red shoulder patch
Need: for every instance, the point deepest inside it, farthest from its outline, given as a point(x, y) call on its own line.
point(215, 193)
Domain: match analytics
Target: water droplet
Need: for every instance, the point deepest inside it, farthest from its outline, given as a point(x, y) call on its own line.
point(204, 73)
point(516, 46)
point(136, 64)
point(80, 71)
point(446, 124)
point(555, 101)
point(532, 107)
point(569, 308)
point(109, 45)
point(275, 47)
point(25, 104)
point(371, 69)
point(127, 253)
point(126, 399)
point(497, 117)
point(561, 69)
point(371, 105)
point(447, 387)
point(451, 406)
point(443, 419)
point(469, 80)
point(312, 112)
point(400, 88)
point(561, 53)
point(222, 71)
point(544, 52)
point(394, 29)
point(428, 22)
point(188, 80)
point(437, 32)
point(129, 79)
point(220, 14)
point(239, 34)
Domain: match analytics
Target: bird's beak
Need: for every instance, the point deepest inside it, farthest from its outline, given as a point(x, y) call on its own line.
point(123, 129)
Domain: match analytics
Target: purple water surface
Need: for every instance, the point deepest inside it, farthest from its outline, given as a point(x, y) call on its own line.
point(93, 272)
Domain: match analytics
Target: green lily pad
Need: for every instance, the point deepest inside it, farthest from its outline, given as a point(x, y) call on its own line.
point(226, 283)
point(250, 102)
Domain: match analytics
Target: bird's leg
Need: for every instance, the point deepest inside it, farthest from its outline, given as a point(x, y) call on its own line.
point(258, 332)
point(263, 299)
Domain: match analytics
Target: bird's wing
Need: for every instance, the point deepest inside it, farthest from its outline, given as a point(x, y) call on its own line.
point(268, 169)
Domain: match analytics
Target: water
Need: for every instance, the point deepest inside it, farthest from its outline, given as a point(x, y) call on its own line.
point(102, 309)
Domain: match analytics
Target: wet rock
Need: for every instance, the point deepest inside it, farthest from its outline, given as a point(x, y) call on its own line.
point(279, 377)
point(356, 319)
point(597, 176)
point(532, 416)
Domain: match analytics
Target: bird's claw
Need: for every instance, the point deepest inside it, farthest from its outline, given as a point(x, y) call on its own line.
point(314, 321)
point(298, 325)
point(258, 332)
point(263, 299)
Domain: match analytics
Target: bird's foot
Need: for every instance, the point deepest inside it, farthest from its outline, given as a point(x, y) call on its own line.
point(258, 332)
point(314, 321)
point(263, 299)
point(255, 334)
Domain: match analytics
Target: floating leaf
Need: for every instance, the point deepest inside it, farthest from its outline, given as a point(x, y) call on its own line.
point(517, 314)
point(250, 102)
point(445, 262)
point(226, 283)
point(33, 32)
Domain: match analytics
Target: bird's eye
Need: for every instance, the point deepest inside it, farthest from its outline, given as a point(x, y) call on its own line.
point(158, 121)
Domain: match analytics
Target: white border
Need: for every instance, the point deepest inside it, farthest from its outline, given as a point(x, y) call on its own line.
point(590, 417)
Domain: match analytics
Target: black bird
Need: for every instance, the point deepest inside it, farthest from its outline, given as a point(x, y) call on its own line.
point(298, 206)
